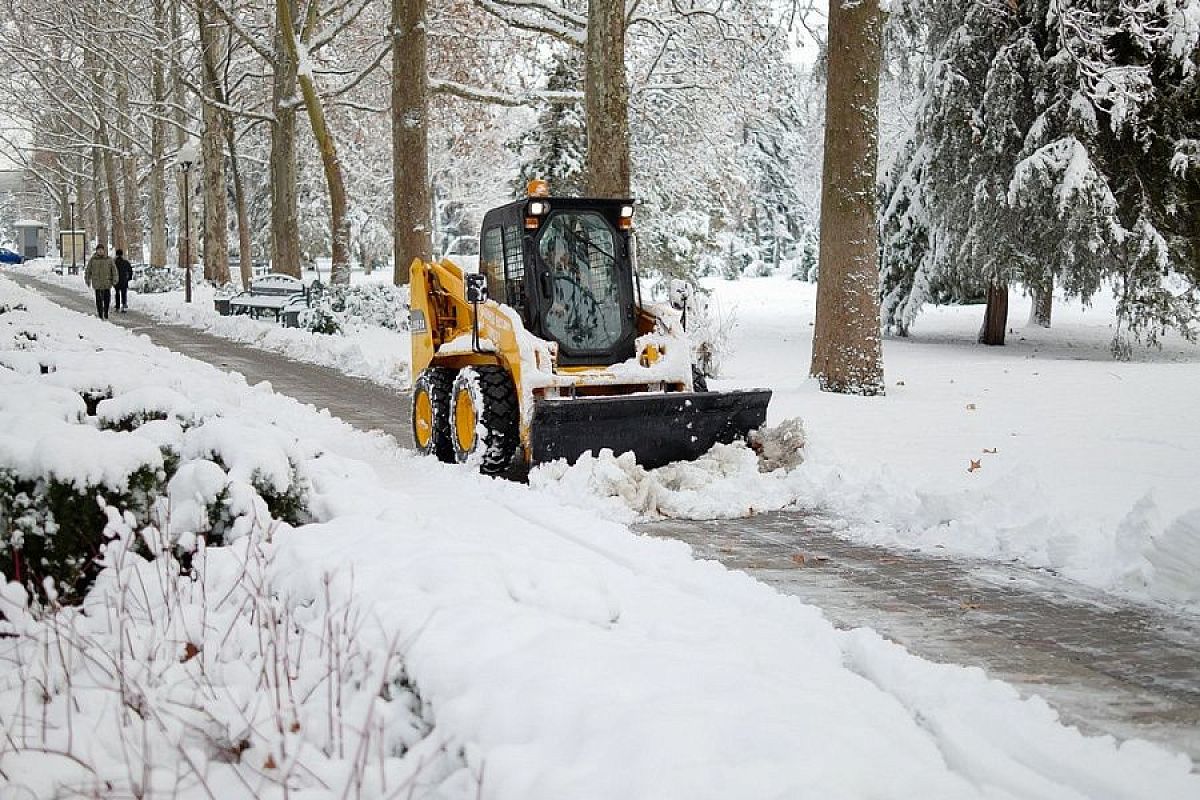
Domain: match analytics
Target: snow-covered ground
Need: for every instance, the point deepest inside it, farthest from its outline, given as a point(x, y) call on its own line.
point(1047, 450)
point(435, 634)
point(373, 353)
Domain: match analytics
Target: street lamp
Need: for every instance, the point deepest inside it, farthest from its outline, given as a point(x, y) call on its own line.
point(186, 157)
point(72, 199)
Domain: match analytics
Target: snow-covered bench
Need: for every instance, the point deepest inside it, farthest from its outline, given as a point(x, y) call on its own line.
point(275, 294)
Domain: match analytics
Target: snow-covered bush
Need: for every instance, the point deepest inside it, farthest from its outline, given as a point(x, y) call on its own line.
point(221, 677)
point(155, 280)
point(349, 308)
point(96, 437)
point(50, 525)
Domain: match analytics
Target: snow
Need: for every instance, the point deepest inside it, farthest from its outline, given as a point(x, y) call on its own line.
point(497, 643)
point(374, 353)
point(1070, 457)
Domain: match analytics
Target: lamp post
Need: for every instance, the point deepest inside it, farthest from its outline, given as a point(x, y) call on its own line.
point(187, 231)
point(187, 156)
point(72, 199)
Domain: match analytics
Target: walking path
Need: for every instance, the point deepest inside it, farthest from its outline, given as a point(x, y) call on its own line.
point(1107, 666)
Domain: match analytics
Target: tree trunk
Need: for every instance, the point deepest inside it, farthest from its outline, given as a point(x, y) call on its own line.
point(114, 196)
point(185, 240)
point(995, 317)
point(158, 147)
point(98, 199)
point(410, 144)
point(847, 349)
point(606, 100)
point(285, 217)
point(216, 221)
point(339, 222)
point(130, 196)
point(245, 249)
point(1043, 304)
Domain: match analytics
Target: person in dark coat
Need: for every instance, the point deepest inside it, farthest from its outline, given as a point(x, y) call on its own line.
point(124, 276)
point(101, 275)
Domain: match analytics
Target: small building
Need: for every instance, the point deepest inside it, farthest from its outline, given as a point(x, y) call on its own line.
point(31, 238)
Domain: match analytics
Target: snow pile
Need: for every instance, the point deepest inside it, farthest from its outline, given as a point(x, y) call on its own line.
point(446, 635)
point(725, 483)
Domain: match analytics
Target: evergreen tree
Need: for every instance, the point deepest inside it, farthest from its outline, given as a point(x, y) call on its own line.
point(1051, 149)
point(555, 149)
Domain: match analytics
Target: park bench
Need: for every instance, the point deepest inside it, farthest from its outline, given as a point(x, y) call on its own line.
point(281, 295)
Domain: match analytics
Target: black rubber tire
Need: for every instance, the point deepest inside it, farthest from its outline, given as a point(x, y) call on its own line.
point(495, 401)
point(436, 382)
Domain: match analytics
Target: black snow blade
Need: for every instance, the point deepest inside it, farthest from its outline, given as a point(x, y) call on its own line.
point(658, 428)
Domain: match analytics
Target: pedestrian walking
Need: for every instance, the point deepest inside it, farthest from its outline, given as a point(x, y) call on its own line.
point(101, 275)
point(124, 276)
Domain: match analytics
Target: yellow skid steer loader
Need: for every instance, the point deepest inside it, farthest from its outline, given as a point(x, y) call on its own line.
point(548, 351)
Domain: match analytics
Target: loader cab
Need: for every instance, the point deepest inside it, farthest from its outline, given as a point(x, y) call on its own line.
point(564, 265)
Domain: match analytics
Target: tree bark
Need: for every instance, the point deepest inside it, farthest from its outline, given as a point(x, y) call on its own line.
point(158, 146)
point(130, 195)
point(339, 222)
point(98, 199)
point(245, 249)
point(114, 196)
point(411, 207)
point(185, 239)
point(216, 220)
point(847, 349)
point(995, 316)
point(606, 100)
point(285, 216)
point(1043, 304)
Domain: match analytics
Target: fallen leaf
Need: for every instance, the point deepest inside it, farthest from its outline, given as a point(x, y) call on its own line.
point(190, 651)
point(798, 559)
point(295, 726)
point(970, 406)
point(967, 605)
point(974, 466)
point(899, 383)
point(270, 762)
point(991, 451)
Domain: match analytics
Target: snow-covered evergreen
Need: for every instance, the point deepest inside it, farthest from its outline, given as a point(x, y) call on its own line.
point(1052, 145)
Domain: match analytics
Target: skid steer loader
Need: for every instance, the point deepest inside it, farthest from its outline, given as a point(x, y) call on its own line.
point(548, 351)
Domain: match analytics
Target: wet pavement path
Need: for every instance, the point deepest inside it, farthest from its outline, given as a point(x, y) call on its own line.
point(1108, 666)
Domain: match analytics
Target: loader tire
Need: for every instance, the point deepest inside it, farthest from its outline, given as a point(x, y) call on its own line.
point(483, 413)
point(431, 413)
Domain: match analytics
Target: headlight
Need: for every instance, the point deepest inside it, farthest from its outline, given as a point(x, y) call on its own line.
point(537, 208)
point(626, 212)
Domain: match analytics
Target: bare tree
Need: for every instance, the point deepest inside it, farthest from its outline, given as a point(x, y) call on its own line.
point(158, 142)
point(216, 233)
point(847, 350)
point(299, 51)
point(410, 142)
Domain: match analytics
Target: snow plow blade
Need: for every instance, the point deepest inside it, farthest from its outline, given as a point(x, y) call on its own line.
point(658, 428)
